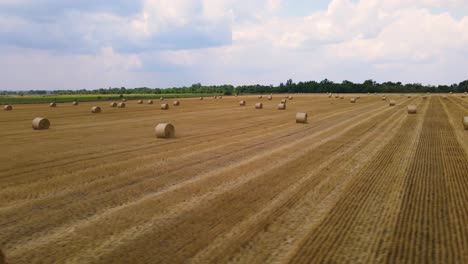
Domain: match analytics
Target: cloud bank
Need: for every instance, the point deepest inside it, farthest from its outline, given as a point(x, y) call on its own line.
point(52, 44)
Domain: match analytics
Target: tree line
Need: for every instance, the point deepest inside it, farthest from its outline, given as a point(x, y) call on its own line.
point(368, 86)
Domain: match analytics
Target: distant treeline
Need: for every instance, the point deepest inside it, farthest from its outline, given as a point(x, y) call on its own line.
point(288, 87)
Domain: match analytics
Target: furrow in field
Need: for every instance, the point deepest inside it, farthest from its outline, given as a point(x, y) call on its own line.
point(431, 226)
point(363, 214)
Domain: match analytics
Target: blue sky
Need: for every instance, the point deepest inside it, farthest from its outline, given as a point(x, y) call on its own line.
point(64, 44)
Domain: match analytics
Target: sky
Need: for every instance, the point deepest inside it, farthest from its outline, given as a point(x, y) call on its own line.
point(87, 44)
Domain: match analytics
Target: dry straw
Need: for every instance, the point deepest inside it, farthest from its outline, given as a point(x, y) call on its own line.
point(352, 100)
point(140, 101)
point(270, 97)
point(2, 257)
point(465, 122)
point(337, 96)
point(359, 97)
point(283, 101)
point(165, 130)
point(7, 107)
point(258, 106)
point(40, 123)
point(412, 109)
point(176, 103)
point(150, 101)
point(260, 97)
point(113, 104)
point(161, 98)
point(281, 106)
point(124, 100)
point(342, 97)
point(242, 103)
point(164, 106)
point(290, 97)
point(301, 117)
point(95, 109)
point(384, 98)
point(424, 97)
point(409, 96)
point(52, 104)
point(392, 103)
point(220, 97)
point(75, 103)
point(444, 97)
point(121, 105)
point(215, 97)
point(201, 98)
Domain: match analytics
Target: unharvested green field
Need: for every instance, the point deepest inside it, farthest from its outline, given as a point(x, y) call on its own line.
point(29, 99)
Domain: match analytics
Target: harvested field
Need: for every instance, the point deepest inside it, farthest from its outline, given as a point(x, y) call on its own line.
point(358, 183)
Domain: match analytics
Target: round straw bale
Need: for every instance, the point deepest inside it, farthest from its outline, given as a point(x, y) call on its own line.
point(392, 103)
point(165, 130)
point(281, 106)
point(359, 97)
point(140, 101)
point(164, 106)
point(260, 97)
point(270, 97)
point(337, 96)
point(450, 92)
point(95, 109)
point(176, 103)
point(444, 97)
point(290, 97)
point(465, 122)
point(7, 107)
point(52, 104)
point(301, 117)
point(258, 106)
point(124, 100)
point(384, 98)
point(121, 105)
point(150, 102)
point(342, 97)
point(161, 98)
point(113, 104)
point(283, 101)
point(412, 109)
point(40, 123)
point(242, 103)
point(201, 98)
point(352, 100)
point(329, 96)
point(75, 103)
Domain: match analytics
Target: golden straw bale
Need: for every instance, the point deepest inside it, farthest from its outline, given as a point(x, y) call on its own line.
point(40, 123)
point(95, 109)
point(176, 103)
point(140, 101)
point(465, 122)
point(301, 117)
point(258, 106)
point(412, 109)
point(164, 106)
point(113, 104)
point(392, 103)
point(150, 102)
point(75, 103)
point(281, 106)
point(121, 105)
point(165, 130)
point(352, 100)
point(52, 104)
point(242, 103)
point(7, 107)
